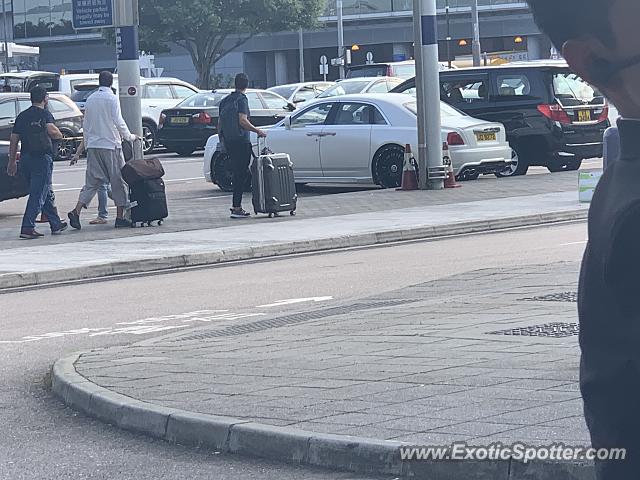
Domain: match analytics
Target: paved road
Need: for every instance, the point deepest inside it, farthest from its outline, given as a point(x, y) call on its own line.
point(45, 441)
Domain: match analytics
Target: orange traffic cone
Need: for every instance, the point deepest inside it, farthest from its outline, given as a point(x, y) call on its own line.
point(450, 181)
point(409, 174)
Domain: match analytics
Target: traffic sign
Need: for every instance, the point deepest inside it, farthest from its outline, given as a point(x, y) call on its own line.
point(324, 60)
point(127, 45)
point(92, 14)
point(369, 57)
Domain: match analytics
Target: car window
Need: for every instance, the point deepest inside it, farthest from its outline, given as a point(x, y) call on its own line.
point(345, 88)
point(571, 90)
point(513, 85)
point(378, 119)
point(379, 87)
point(8, 109)
point(353, 114)
point(56, 106)
point(465, 91)
point(203, 100)
point(305, 93)
point(393, 83)
point(23, 104)
point(285, 91)
point(182, 91)
point(321, 87)
point(404, 71)
point(446, 111)
point(274, 102)
point(314, 116)
point(254, 101)
point(367, 71)
point(159, 92)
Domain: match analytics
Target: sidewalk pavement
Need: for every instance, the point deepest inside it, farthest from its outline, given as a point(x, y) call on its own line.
point(45, 263)
point(482, 357)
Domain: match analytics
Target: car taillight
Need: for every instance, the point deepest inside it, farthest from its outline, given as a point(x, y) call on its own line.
point(604, 116)
point(454, 138)
point(163, 117)
point(554, 112)
point(202, 118)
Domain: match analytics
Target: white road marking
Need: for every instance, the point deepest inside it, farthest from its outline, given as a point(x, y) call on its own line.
point(67, 189)
point(142, 327)
point(573, 243)
point(217, 197)
point(184, 179)
point(293, 301)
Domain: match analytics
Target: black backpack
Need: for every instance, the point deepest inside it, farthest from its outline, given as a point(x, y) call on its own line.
point(230, 129)
point(36, 139)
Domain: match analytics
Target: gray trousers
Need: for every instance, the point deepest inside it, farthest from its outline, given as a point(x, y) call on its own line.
point(103, 167)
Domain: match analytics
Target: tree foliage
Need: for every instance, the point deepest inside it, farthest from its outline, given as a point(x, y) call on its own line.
point(210, 29)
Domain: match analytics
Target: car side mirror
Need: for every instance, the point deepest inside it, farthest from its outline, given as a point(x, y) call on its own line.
point(287, 122)
point(290, 107)
point(298, 100)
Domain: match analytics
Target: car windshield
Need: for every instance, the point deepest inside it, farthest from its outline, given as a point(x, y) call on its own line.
point(446, 111)
point(345, 88)
point(284, 91)
point(404, 71)
point(571, 90)
point(16, 84)
point(211, 99)
point(82, 95)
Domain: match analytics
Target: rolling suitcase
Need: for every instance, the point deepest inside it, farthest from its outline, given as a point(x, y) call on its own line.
point(273, 183)
point(147, 191)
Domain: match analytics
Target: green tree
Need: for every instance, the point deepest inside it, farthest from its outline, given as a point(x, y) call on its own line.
point(210, 29)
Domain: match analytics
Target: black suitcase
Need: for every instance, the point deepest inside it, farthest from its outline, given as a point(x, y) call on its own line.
point(12, 187)
point(149, 202)
point(273, 183)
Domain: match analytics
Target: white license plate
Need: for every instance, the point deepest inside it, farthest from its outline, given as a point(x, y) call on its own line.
point(486, 137)
point(179, 120)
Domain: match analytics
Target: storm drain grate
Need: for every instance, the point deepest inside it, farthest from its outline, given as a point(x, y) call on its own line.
point(571, 297)
point(293, 319)
point(555, 330)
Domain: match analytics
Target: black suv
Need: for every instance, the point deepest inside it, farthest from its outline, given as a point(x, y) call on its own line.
point(552, 117)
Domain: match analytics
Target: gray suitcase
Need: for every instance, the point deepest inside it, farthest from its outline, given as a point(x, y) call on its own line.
point(273, 183)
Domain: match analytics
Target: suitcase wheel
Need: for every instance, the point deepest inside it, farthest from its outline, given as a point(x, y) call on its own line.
point(292, 213)
point(148, 224)
point(271, 215)
point(160, 222)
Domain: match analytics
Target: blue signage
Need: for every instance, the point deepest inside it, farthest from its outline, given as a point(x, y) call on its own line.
point(127, 44)
point(92, 14)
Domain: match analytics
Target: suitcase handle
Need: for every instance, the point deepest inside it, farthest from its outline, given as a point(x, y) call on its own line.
point(264, 149)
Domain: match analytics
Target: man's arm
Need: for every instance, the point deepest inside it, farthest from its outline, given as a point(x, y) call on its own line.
point(79, 152)
point(54, 132)
point(12, 167)
point(246, 125)
point(118, 121)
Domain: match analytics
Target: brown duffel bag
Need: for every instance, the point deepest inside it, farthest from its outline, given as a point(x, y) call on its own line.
point(138, 170)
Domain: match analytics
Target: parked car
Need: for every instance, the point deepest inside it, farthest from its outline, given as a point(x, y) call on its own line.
point(404, 70)
point(27, 80)
point(10, 187)
point(158, 94)
point(69, 81)
point(362, 85)
point(68, 119)
point(362, 138)
point(553, 117)
point(297, 93)
point(187, 127)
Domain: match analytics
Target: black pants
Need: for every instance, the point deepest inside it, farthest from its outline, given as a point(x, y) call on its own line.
point(239, 159)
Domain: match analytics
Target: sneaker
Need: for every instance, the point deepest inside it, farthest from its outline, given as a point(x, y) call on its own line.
point(74, 220)
point(30, 234)
point(239, 214)
point(98, 221)
point(123, 223)
point(62, 228)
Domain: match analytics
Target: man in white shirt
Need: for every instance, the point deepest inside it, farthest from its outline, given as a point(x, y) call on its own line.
point(104, 128)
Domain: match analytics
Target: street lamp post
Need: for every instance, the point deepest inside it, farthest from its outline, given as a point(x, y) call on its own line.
point(301, 48)
point(127, 21)
point(341, 52)
point(448, 33)
point(430, 165)
point(4, 35)
point(476, 33)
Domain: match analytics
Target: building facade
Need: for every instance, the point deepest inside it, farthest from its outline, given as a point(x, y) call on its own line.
point(383, 28)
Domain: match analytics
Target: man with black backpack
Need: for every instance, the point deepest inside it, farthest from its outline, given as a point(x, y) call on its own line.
point(234, 128)
point(34, 129)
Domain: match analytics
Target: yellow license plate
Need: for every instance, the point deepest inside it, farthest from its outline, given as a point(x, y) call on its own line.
point(180, 120)
point(486, 137)
point(584, 115)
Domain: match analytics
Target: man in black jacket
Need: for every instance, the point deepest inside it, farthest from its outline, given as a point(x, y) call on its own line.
point(599, 40)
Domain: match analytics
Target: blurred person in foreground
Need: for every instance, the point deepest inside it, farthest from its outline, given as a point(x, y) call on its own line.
point(599, 40)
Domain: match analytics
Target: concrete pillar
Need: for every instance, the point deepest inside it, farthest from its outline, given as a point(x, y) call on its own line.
point(401, 51)
point(281, 68)
point(271, 69)
point(534, 47)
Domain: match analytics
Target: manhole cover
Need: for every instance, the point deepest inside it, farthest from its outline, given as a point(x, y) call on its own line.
point(554, 297)
point(293, 319)
point(555, 330)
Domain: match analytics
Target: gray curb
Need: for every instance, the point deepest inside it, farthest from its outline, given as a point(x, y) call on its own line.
point(17, 280)
point(230, 435)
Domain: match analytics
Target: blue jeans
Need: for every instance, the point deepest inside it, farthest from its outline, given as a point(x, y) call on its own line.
point(103, 197)
point(38, 169)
